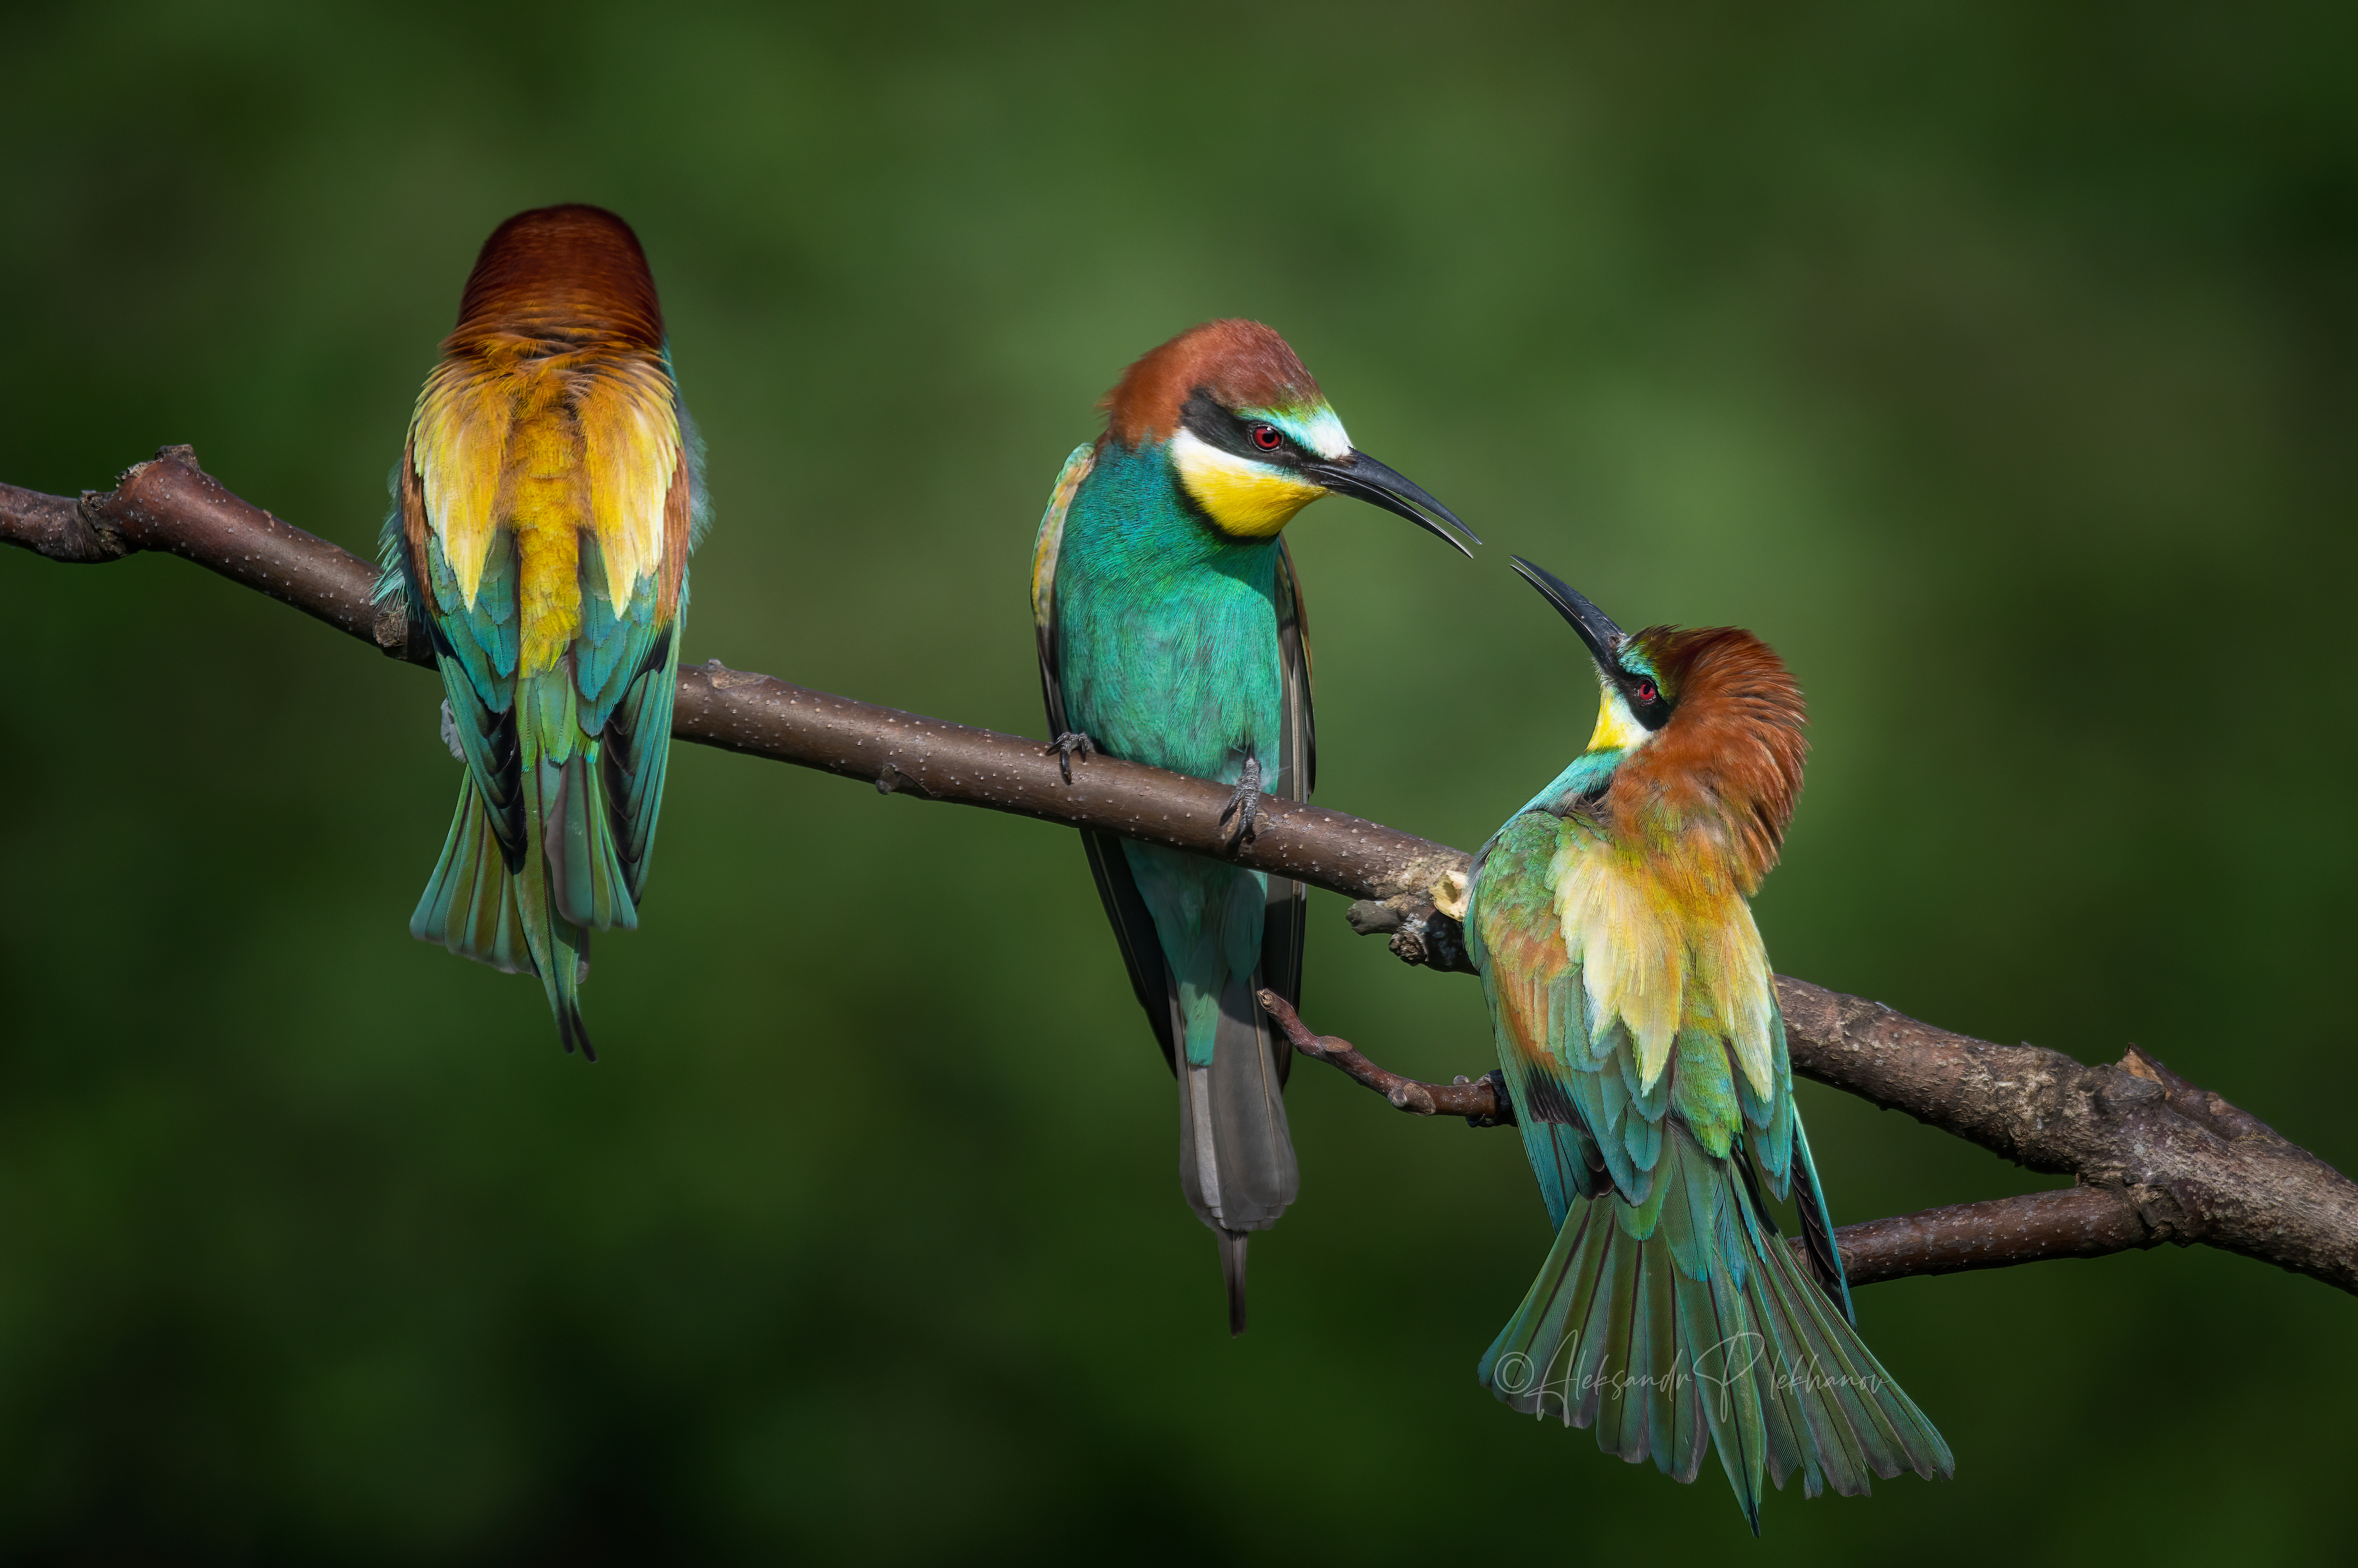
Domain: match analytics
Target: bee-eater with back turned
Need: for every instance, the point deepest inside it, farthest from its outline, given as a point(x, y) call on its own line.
point(1170, 633)
point(545, 505)
point(1641, 1041)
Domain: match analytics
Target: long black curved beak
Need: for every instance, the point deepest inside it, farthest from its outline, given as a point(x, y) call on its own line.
point(1361, 475)
point(1595, 627)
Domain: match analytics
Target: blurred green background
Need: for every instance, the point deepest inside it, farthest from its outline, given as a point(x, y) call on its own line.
point(1997, 363)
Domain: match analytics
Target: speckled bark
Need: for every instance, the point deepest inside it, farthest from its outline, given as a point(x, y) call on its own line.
point(2155, 1158)
point(2187, 1165)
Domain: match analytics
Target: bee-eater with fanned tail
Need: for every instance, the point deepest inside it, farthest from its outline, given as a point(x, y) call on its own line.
point(545, 505)
point(1640, 1042)
point(1170, 633)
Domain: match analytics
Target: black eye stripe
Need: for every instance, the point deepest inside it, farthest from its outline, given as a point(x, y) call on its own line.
point(1216, 426)
point(1647, 704)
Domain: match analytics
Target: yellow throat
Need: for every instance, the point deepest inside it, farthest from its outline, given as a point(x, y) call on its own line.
point(1244, 498)
point(1617, 727)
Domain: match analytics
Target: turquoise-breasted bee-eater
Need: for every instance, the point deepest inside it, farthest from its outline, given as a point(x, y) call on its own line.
point(1641, 1041)
point(1171, 631)
point(547, 499)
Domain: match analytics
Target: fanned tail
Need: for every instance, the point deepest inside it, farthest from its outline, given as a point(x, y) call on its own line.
point(470, 904)
point(480, 908)
point(1685, 1321)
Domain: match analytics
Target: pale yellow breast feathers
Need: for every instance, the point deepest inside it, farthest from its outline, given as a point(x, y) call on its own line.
point(1661, 956)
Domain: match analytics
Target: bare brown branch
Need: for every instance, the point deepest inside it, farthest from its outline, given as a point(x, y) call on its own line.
point(2156, 1159)
point(2190, 1166)
point(2081, 1222)
point(52, 526)
point(2077, 1222)
point(170, 504)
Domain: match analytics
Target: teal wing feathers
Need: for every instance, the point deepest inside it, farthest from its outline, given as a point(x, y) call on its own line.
point(638, 751)
point(596, 741)
point(565, 769)
point(1125, 907)
point(1670, 1315)
point(1285, 930)
point(1163, 657)
point(475, 646)
point(1287, 920)
point(1533, 990)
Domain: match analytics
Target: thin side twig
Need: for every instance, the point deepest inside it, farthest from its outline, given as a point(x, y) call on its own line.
point(1481, 1101)
point(2156, 1159)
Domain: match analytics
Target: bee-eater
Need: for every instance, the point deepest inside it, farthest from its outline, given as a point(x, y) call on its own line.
point(1639, 1038)
point(546, 501)
point(1171, 631)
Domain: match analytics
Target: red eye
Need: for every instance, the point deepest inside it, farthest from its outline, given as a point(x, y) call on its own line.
point(1646, 693)
point(1266, 438)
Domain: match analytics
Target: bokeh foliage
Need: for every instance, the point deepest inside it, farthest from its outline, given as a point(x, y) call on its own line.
point(1997, 361)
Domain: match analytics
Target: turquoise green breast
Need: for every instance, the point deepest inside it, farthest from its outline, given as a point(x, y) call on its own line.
point(1167, 630)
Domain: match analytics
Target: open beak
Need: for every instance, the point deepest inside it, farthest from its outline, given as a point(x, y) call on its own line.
point(1595, 627)
point(1361, 475)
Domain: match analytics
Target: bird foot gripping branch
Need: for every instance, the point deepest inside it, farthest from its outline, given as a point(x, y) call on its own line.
point(2155, 1158)
point(1419, 932)
point(1245, 805)
point(1065, 747)
point(1169, 620)
point(1426, 924)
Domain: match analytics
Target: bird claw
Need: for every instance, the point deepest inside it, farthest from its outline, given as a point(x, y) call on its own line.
point(1066, 746)
point(1245, 804)
point(1504, 1115)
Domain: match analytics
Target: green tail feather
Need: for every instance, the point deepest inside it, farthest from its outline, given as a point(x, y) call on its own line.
point(478, 909)
point(470, 904)
point(1686, 1322)
point(586, 881)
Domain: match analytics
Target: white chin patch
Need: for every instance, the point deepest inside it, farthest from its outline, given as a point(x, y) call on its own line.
point(1203, 463)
